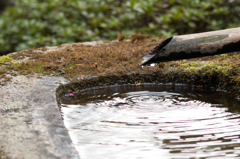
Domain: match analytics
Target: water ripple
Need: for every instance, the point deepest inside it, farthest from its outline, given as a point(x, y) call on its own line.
point(153, 122)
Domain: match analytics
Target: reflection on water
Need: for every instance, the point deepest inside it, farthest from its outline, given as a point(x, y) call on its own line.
point(152, 122)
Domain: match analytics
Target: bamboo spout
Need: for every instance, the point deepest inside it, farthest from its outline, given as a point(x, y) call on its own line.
point(194, 45)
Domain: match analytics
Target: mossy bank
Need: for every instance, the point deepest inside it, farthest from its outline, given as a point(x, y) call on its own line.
point(80, 62)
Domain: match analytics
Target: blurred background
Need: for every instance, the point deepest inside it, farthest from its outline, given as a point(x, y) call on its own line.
point(26, 24)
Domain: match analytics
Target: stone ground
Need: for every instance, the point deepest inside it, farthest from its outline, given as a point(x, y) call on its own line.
point(31, 125)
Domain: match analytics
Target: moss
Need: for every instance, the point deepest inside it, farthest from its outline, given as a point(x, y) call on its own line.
point(121, 36)
point(25, 68)
point(138, 37)
point(195, 64)
point(78, 59)
point(118, 60)
point(4, 59)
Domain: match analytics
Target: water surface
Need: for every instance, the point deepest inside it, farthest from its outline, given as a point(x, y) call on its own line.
point(152, 122)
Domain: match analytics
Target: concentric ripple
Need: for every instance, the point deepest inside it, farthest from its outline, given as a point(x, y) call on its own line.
point(152, 122)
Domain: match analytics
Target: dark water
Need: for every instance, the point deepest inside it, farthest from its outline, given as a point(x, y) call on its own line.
point(153, 122)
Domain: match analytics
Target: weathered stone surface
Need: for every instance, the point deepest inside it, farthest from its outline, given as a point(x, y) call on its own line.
point(31, 125)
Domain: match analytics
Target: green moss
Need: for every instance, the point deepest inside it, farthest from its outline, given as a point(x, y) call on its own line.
point(191, 68)
point(25, 68)
point(195, 64)
point(4, 59)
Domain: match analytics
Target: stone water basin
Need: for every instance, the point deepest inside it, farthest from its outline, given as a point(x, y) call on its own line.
point(152, 121)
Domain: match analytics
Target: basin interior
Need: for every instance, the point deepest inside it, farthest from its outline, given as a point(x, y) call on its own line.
point(152, 121)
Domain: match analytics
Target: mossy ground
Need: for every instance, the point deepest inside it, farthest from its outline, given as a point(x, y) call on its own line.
point(120, 59)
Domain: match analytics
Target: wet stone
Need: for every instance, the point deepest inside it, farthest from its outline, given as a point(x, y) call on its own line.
point(28, 128)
